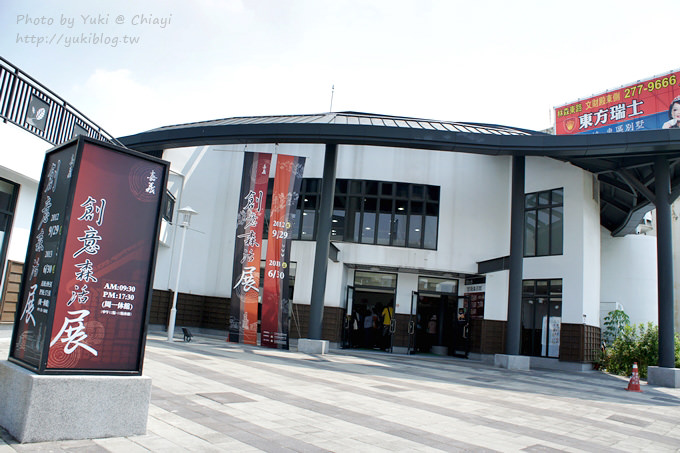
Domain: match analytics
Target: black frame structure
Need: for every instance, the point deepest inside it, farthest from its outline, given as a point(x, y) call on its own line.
point(7, 214)
point(627, 165)
point(544, 218)
point(58, 121)
point(64, 207)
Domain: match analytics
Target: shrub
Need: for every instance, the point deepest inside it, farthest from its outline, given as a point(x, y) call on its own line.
point(639, 344)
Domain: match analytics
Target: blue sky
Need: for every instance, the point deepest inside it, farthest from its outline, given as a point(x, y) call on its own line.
point(485, 61)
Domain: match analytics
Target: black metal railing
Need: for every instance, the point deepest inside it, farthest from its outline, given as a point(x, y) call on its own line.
point(28, 104)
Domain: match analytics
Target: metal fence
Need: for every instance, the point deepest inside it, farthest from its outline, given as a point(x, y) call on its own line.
point(33, 107)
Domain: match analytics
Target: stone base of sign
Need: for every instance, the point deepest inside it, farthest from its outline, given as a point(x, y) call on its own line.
point(37, 408)
point(309, 346)
point(512, 362)
point(663, 377)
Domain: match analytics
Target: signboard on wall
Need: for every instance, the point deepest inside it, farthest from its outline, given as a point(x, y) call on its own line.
point(86, 285)
point(475, 295)
point(644, 105)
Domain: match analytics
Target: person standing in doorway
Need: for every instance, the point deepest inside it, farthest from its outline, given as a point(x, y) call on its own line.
point(369, 322)
point(387, 316)
point(431, 332)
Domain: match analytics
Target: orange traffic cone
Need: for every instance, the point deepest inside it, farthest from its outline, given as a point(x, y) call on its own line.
point(634, 384)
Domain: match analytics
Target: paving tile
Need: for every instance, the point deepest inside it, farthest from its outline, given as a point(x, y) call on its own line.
point(214, 396)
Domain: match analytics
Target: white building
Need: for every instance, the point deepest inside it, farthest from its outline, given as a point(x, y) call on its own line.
point(422, 218)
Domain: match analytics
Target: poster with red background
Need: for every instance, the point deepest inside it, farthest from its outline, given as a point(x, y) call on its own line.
point(106, 237)
point(105, 276)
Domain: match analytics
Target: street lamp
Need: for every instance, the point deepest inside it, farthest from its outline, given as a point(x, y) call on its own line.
point(185, 213)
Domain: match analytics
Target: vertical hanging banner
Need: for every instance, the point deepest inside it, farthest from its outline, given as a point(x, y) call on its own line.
point(275, 300)
point(248, 249)
point(87, 284)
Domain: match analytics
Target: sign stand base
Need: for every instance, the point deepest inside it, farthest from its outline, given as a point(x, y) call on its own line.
point(309, 346)
point(663, 377)
point(38, 408)
point(512, 362)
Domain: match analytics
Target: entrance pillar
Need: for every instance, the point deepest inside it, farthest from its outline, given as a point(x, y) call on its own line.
point(512, 334)
point(664, 253)
point(323, 241)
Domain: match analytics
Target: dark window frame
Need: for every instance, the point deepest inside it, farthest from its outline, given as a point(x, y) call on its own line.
point(390, 192)
point(9, 219)
point(537, 207)
point(554, 293)
point(362, 191)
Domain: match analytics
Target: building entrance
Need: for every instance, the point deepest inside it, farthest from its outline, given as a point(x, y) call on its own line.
point(370, 311)
point(439, 318)
point(370, 308)
point(434, 322)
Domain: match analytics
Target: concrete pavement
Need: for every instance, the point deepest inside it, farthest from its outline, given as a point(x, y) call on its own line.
point(212, 396)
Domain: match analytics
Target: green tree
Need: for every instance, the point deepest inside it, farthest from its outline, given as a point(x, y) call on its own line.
point(614, 323)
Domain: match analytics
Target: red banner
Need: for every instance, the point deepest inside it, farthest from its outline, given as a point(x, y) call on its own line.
point(645, 105)
point(247, 249)
point(275, 300)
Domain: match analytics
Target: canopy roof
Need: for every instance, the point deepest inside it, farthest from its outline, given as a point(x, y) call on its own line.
point(623, 162)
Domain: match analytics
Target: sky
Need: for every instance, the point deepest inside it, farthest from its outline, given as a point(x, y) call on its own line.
point(135, 66)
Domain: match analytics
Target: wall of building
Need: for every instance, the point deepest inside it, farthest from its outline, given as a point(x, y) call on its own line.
point(579, 265)
point(23, 216)
point(629, 275)
point(473, 221)
point(496, 296)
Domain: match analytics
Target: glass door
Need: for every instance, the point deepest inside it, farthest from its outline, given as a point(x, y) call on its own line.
point(350, 324)
point(412, 323)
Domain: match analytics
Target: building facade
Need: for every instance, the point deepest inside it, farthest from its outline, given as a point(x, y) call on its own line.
point(423, 229)
point(421, 221)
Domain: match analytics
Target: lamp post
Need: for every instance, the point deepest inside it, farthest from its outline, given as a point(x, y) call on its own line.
point(185, 213)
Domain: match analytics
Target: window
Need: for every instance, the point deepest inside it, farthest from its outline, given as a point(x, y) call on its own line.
point(369, 212)
point(8, 198)
point(541, 317)
point(543, 223)
point(304, 218)
point(438, 285)
point(386, 213)
point(366, 279)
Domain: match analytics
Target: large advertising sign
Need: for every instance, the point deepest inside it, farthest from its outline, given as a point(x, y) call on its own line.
point(645, 105)
point(275, 298)
point(87, 280)
point(243, 315)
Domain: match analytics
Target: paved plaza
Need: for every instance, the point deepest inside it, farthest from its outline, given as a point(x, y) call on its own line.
point(209, 395)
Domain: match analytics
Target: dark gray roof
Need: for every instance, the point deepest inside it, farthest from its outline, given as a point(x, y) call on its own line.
point(623, 162)
point(359, 119)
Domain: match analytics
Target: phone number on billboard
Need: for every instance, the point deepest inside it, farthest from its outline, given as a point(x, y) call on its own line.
point(651, 86)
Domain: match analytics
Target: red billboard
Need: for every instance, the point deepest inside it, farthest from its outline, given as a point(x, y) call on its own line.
point(92, 254)
point(645, 105)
